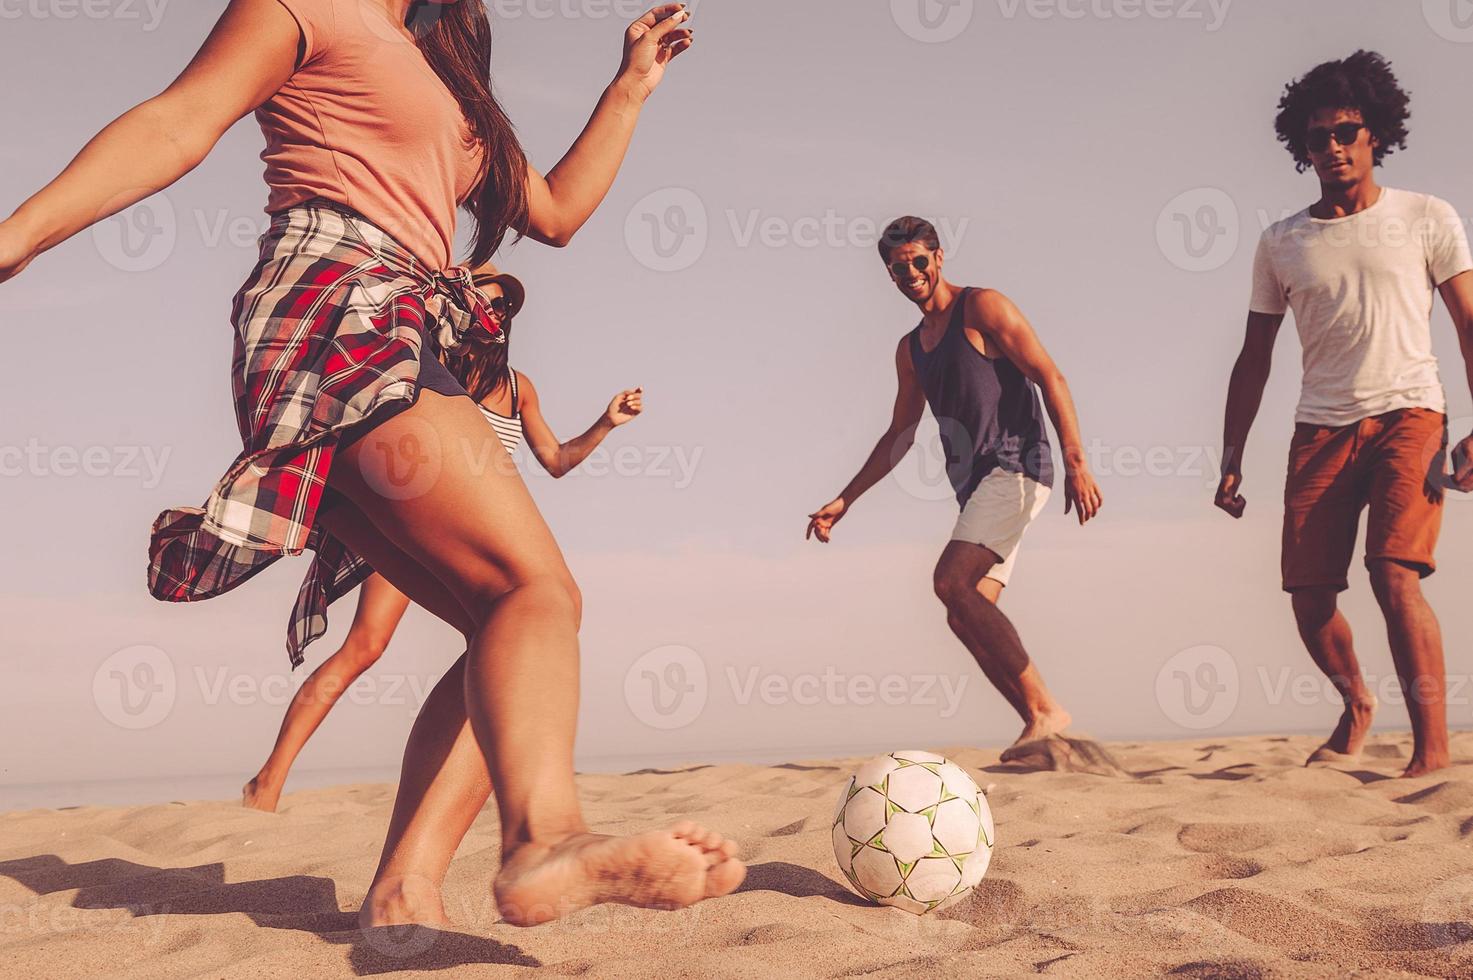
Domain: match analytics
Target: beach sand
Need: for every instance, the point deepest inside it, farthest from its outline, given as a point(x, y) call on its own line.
point(1213, 858)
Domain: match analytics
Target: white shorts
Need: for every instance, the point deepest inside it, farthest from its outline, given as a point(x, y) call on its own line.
point(997, 514)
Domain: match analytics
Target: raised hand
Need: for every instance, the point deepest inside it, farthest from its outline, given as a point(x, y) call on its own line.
point(822, 521)
point(1228, 498)
point(651, 43)
point(625, 407)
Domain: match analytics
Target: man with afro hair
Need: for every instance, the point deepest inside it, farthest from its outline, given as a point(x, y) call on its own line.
point(1358, 268)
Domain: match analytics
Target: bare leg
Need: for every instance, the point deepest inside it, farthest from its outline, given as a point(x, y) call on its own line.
point(444, 783)
point(1326, 634)
point(973, 615)
point(380, 607)
point(474, 527)
point(1416, 648)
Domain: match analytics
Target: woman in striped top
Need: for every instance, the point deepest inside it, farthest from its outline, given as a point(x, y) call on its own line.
point(509, 402)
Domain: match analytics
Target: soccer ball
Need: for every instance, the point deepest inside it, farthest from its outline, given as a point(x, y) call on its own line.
point(912, 830)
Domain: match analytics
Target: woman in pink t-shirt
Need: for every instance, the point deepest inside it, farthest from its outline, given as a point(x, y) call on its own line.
point(379, 121)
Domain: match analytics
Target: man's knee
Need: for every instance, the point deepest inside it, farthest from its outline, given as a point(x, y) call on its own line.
point(1314, 607)
point(1396, 585)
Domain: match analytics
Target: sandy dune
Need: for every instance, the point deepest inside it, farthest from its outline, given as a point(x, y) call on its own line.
point(1211, 859)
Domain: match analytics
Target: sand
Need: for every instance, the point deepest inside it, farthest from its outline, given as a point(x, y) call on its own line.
point(1214, 858)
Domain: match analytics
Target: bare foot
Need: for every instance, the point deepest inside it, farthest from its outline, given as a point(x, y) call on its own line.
point(665, 869)
point(259, 795)
point(1054, 722)
point(1349, 737)
point(402, 901)
point(1427, 763)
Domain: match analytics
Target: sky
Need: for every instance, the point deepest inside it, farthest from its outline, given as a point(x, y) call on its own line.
point(1108, 164)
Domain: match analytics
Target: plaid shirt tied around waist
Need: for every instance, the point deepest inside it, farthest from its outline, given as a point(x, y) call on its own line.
point(328, 330)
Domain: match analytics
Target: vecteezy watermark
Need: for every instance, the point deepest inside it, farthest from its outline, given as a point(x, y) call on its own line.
point(143, 463)
point(666, 688)
point(1198, 230)
point(1198, 687)
point(136, 687)
point(669, 688)
point(45, 918)
point(1287, 685)
point(943, 691)
point(620, 10)
point(225, 686)
point(1211, 13)
point(676, 465)
point(1451, 20)
point(149, 12)
point(669, 230)
point(1447, 913)
point(933, 21)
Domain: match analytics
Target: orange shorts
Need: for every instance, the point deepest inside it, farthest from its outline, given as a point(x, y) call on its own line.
point(1392, 463)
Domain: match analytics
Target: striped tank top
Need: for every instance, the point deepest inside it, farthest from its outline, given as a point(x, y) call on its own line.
point(508, 427)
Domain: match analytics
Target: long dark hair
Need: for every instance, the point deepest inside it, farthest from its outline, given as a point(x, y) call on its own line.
point(455, 39)
point(482, 368)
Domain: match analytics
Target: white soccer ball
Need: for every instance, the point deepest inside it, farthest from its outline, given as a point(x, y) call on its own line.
point(912, 830)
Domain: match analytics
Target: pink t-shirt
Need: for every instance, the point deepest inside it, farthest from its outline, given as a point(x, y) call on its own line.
point(366, 122)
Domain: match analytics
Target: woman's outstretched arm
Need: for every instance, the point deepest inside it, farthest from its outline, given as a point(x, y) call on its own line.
point(560, 203)
point(248, 56)
point(561, 458)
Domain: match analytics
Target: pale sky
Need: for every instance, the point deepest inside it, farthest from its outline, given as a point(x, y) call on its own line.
point(1063, 148)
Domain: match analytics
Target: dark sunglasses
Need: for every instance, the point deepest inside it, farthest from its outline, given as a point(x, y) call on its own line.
point(499, 306)
point(921, 263)
point(1318, 139)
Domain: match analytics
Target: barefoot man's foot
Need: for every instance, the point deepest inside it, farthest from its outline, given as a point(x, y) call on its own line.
point(1349, 737)
point(667, 869)
point(260, 796)
point(1055, 721)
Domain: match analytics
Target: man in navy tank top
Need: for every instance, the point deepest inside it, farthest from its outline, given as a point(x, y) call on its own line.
point(975, 360)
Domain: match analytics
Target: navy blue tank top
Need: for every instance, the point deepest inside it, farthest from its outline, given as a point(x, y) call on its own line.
point(989, 413)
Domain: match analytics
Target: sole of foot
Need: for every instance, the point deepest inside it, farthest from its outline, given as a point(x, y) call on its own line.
point(666, 869)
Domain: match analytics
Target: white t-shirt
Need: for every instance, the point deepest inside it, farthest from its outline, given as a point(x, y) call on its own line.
point(1362, 288)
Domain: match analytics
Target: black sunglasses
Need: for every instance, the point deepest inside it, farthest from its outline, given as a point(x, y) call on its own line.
point(921, 263)
point(1318, 139)
point(499, 306)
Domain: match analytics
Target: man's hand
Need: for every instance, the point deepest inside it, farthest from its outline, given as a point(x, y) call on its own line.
point(1228, 498)
point(1082, 494)
point(1462, 475)
point(823, 520)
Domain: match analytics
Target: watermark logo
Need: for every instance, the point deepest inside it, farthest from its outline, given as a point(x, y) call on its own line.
point(927, 472)
point(1198, 230)
point(140, 238)
point(1198, 688)
point(135, 688)
point(1211, 13)
point(1451, 20)
point(933, 21)
point(667, 231)
point(402, 462)
point(149, 12)
point(666, 688)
